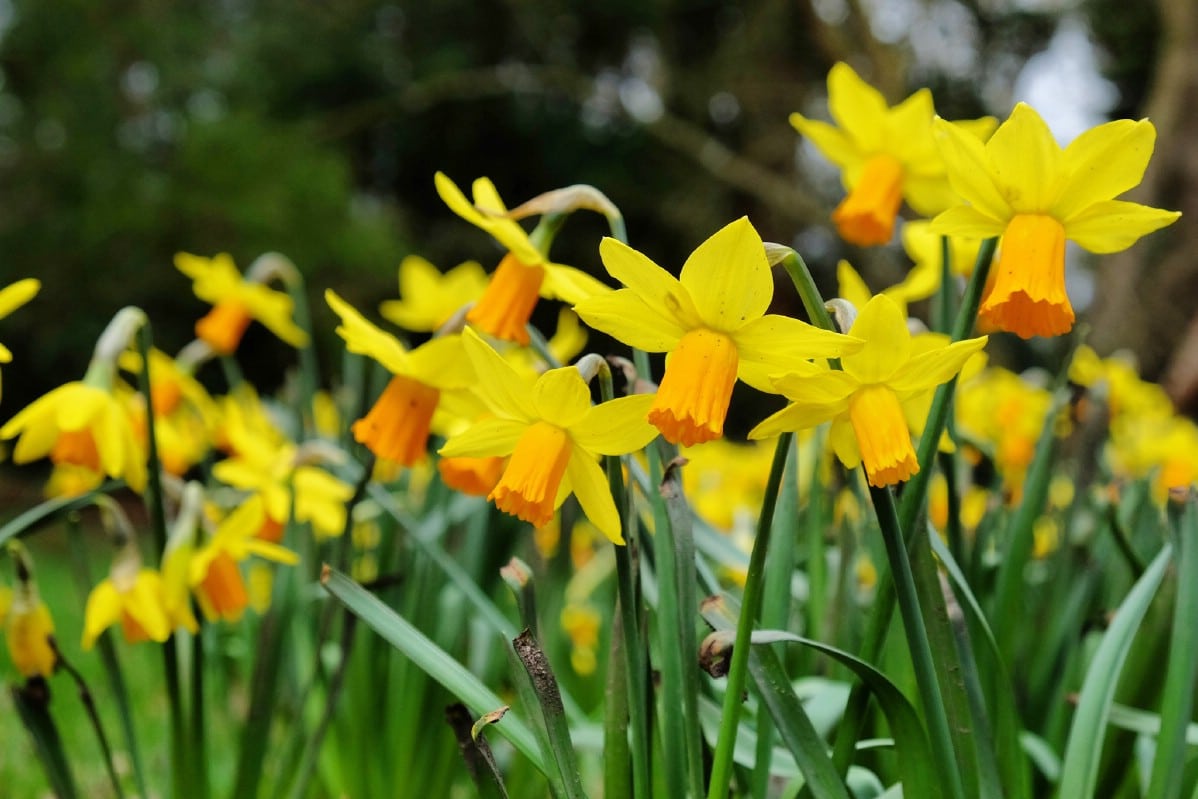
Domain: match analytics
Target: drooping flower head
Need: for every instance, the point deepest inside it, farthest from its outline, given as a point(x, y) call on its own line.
point(864, 401)
point(1023, 186)
point(712, 321)
point(554, 436)
point(524, 274)
point(428, 298)
point(236, 301)
point(131, 596)
point(12, 297)
point(884, 154)
point(398, 425)
point(28, 626)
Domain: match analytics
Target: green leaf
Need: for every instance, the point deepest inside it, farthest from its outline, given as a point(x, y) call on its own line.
point(1079, 771)
point(433, 660)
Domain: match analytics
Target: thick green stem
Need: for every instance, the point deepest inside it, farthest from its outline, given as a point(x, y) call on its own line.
point(721, 766)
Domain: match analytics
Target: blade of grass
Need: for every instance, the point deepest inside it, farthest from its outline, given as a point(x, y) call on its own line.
point(32, 701)
point(431, 659)
point(1079, 769)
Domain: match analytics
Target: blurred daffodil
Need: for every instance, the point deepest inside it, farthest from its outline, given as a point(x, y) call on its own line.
point(884, 154)
point(553, 435)
point(428, 299)
point(28, 626)
point(712, 321)
point(236, 301)
point(864, 401)
point(12, 297)
point(131, 596)
point(1023, 186)
point(524, 274)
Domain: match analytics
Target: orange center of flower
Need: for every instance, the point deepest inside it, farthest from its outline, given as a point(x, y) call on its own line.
point(474, 476)
point(506, 305)
point(132, 630)
point(866, 216)
point(271, 531)
point(77, 447)
point(165, 396)
point(223, 587)
point(396, 428)
point(223, 326)
point(529, 486)
point(1028, 293)
point(882, 436)
point(693, 397)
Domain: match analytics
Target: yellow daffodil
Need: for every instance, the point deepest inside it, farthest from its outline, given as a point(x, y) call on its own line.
point(398, 425)
point(12, 297)
point(554, 437)
point(1023, 186)
point(132, 596)
point(428, 299)
point(865, 400)
point(523, 275)
point(712, 321)
point(213, 570)
point(924, 248)
point(236, 301)
point(884, 154)
point(28, 626)
point(83, 425)
point(1127, 396)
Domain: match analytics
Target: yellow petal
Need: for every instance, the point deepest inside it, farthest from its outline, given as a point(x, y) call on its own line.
point(570, 285)
point(794, 416)
point(823, 386)
point(501, 387)
point(85, 404)
point(1114, 225)
point(442, 363)
point(729, 278)
point(780, 344)
point(507, 231)
point(627, 317)
point(660, 290)
point(858, 108)
point(144, 604)
point(930, 369)
point(969, 172)
point(616, 427)
point(1025, 161)
point(589, 484)
point(103, 610)
point(851, 285)
point(883, 326)
point(488, 438)
point(17, 294)
point(1104, 162)
point(837, 146)
point(843, 441)
point(561, 397)
point(364, 338)
point(270, 551)
point(5, 354)
point(967, 222)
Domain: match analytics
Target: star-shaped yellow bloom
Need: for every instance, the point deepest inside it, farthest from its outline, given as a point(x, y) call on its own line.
point(429, 298)
point(131, 596)
point(554, 436)
point(523, 275)
point(712, 321)
point(864, 401)
point(236, 302)
point(885, 154)
point(1023, 186)
point(398, 425)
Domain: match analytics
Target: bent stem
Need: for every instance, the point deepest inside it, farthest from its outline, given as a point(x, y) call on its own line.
point(721, 766)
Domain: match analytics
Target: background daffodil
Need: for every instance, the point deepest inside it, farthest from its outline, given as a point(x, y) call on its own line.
point(554, 436)
point(523, 275)
point(236, 301)
point(864, 401)
point(884, 154)
point(712, 321)
point(428, 298)
point(1023, 186)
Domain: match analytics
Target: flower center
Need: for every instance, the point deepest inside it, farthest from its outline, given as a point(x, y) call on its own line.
point(882, 436)
point(223, 326)
point(223, 588)
point(530, 483)
point(866, 216)
point(474, 476)
point(1028, 293)
point(693, 397)
point(506, 305)
point(76, 447)
point(396, 428)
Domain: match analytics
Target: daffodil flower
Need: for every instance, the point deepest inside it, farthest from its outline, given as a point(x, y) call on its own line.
point(12, 297)
point(28, 628)
point(429, 299)
point(884, 154)
point(554, 437)
point(523, 275)
point(1023, 186)
point(712, 321)
point(131, 596)
point(398, 425)
point(236, 302)
point(864, 401)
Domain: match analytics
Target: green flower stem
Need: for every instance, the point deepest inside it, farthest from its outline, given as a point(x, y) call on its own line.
point(199, 730)
point(89, 705)
point(721, 766)
point(917, 640)
point(1177, 701)
point(942, 309)
point(157, 512)
point(629, 601)
point(309, 371)
point(233, 376)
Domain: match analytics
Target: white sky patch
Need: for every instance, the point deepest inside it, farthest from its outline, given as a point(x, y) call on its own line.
point(1064, 83)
